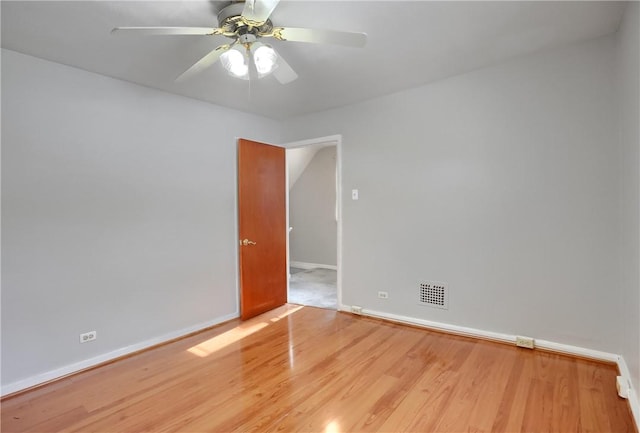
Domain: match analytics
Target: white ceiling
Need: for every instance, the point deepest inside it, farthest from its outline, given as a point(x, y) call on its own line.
point(409, 43)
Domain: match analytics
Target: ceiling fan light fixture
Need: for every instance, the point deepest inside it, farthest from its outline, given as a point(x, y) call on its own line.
point(235, 62)
point(265, 59)
point(246, 22)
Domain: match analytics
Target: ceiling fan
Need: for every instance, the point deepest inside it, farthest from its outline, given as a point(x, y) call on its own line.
point(246, 23)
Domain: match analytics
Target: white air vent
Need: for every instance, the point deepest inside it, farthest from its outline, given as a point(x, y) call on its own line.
point(434, 294)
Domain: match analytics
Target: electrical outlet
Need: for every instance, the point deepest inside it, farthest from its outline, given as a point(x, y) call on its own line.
point(383, 295)
point(88, 336)
point(525, 342)
point(356, 310)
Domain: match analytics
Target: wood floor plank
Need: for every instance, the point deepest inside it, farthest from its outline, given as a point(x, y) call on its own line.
point(566, 396)
point(312, 370)
point(343, 380)
point(511, 413)
point(470, 389)
point(487, 404)
point(307, 361)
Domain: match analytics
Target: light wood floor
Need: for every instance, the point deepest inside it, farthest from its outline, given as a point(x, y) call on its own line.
point(313, 370)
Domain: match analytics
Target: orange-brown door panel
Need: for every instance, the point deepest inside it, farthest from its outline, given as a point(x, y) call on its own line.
point(262, 227)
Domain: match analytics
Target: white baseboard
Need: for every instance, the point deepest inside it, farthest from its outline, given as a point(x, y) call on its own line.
point(634, 402)
point(91, 362)
point(489, 335)
point(508, 338)
point(577, 351)
point(634, 399)
point(306, 265)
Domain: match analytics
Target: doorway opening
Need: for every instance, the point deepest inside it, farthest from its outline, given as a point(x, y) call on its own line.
point(313, 211)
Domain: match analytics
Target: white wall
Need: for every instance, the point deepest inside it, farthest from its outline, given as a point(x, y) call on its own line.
point(628, 78)
point(312, 211)
point(297, 161)
point(118, 213)
point(508, 183)
point(503, 183)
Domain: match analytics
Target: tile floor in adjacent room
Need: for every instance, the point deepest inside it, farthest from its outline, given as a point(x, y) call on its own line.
point(313, 287)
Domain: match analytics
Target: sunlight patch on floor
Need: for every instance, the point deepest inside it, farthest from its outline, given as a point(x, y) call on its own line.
point(241, 331)
point(332, 427)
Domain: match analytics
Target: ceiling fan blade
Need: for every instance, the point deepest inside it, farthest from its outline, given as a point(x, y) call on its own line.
point(167, 30)
point(203, 63)
point(349, 39)
point(284, 73)
point(258, 10)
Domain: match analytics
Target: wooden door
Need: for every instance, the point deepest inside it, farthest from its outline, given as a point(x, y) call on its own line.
point(262, 227)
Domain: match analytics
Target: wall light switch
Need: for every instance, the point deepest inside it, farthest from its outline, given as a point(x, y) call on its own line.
point(354, 194)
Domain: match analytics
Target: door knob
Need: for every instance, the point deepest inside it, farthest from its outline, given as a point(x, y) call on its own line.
point(246, 242)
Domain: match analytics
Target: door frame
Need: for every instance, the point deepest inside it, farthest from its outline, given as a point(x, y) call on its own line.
point(337, 139)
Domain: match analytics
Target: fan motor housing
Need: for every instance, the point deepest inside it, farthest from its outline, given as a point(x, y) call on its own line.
point(231, 20)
